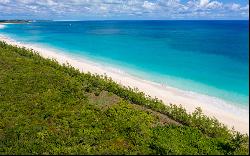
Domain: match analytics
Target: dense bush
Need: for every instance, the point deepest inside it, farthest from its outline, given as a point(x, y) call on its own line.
point(47, 108)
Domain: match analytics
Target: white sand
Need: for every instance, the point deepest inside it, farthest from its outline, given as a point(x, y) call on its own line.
point(230, 115)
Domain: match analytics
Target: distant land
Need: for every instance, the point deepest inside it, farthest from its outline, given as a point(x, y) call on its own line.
point(22, 21)
point(14, 21)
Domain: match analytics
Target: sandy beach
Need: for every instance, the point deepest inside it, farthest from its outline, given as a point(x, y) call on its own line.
point(230, 115)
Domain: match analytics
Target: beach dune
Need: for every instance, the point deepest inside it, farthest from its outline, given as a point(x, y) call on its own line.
point(230, 115)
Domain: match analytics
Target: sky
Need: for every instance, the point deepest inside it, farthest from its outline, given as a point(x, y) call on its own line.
point(124, 9)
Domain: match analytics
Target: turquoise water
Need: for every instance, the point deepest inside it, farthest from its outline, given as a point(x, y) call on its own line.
point(208, 57)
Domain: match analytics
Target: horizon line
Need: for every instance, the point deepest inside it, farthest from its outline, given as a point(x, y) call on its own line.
point(128, 20)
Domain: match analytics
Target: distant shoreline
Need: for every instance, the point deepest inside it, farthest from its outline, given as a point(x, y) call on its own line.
point(14, 21)
point(225, 113)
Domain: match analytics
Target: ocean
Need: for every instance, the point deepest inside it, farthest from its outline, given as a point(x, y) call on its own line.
point(207, 57)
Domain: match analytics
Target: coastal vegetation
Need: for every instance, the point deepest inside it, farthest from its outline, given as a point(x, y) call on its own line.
point(48, 108)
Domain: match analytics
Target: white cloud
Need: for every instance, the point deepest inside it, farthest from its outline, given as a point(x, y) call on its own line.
point(235, 7)
point(245, 7)
point(4, 1)
point(214, 5)
point(149, 5)
point(120, 8)
point(204, 4)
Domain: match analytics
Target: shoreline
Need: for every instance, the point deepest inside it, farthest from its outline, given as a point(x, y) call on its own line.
point(227, 114)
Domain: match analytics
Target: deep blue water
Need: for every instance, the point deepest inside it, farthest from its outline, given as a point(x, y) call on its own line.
point(209, 57)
